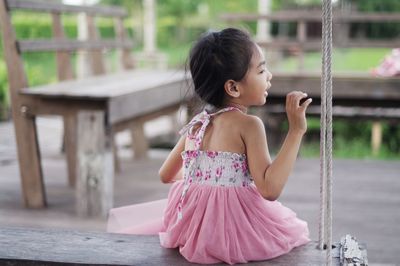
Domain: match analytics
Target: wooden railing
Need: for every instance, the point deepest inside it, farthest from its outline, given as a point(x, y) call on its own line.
point(301, 43)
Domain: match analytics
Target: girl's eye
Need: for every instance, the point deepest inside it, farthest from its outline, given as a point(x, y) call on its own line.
point(262, 71)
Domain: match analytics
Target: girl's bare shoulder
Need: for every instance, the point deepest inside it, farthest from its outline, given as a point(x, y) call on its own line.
point(248, 121)
point(244, 123)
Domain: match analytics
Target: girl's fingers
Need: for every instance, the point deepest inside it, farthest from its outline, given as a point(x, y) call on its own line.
point(297, 97)
point(306, 103)
point(294, 98)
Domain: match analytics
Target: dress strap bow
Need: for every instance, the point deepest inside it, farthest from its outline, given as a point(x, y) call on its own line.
point(203, 118)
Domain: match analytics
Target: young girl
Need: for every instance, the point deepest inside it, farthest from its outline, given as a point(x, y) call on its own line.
point(222, 206)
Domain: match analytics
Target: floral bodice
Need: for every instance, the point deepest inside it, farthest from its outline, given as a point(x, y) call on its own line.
point(215, 168)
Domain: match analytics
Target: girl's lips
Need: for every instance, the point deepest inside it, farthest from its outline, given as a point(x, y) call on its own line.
point(266, 90)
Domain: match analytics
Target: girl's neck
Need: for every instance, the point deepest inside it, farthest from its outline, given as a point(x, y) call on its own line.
point(238, 106)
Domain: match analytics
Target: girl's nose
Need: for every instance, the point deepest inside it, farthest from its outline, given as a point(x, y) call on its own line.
point(269, 76)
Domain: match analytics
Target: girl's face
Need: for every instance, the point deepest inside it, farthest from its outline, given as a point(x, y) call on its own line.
point(256, 83)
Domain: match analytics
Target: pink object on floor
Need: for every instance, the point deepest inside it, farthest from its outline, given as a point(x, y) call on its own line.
point(142, 219)
point(390, 66)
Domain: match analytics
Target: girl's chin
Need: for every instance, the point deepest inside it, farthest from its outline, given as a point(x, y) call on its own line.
point(261, 103)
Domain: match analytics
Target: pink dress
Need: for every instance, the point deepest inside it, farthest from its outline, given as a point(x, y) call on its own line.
point(216, 214)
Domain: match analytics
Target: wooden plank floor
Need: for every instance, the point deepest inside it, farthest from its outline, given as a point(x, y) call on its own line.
point(366, 193)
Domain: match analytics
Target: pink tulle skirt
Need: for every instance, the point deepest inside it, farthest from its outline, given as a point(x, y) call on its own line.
point(218, 224)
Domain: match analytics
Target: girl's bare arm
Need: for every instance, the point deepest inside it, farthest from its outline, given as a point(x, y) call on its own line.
point(270, 177)
point(171, 169)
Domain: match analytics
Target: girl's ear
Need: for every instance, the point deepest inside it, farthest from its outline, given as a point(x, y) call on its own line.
point(231, 88)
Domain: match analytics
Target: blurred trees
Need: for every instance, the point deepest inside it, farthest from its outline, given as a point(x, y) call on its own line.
point(373, 30)
point(180, 21)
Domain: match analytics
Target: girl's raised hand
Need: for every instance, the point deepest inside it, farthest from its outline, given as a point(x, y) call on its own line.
point(296, 112)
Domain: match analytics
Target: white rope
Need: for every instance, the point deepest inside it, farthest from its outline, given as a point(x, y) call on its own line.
point(322, 202)
point(325, 227)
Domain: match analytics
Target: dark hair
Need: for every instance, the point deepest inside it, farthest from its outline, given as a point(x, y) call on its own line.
point(216, 58)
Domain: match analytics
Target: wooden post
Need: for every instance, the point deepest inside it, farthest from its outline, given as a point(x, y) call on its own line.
point(264, 33)
point(96, 56)
point(83, 61)
point(149, 26)
point(126, 61)
point(89, 62)
point(301, 36)
point(263, 26)
point(117, 163)
point(64, 66)
point(140, 144)
point(24, 124)
point(94, 188)
point(65, 72)
point(341, 29)
point(150, 56)
point(70, 133)
point(376, 138)
point(176, 125)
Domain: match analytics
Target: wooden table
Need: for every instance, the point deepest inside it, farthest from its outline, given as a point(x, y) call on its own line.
point(97, 107)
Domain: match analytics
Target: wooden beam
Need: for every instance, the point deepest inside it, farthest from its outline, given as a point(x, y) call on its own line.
point(70, 45)
point(47, 6)
point(315, 16)
point(348, 86)
point(368, 43)
point(343, 112)
point(25, 127)
point(146, 101)
point(312, 45)
point(121, 125)
point(55, 106)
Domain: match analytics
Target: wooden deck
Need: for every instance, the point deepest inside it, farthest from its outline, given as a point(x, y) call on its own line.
point(366, 193)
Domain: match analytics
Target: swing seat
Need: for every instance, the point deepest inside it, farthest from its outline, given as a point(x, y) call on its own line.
point(29, 246)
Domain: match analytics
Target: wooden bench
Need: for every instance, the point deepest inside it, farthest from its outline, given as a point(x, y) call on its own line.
point(355, 96)
point(93, 109)
point(26, 246)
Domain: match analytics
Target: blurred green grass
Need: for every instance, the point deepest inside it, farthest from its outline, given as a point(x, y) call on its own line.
point(352, 60)
point(352, 139)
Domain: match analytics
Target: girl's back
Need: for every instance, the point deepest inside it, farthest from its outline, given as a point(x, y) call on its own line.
point(224, 133)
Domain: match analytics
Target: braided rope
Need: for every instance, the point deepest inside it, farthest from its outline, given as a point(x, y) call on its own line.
point(322, 187)
point(325, 228)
